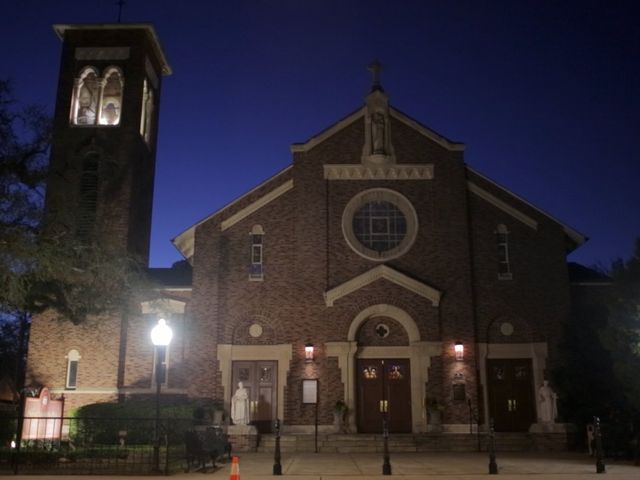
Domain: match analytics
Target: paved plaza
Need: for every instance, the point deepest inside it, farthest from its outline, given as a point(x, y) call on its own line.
point(412, 466)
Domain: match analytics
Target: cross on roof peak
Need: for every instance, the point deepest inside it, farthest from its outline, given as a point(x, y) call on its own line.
point(120, 4)
point(375, 68)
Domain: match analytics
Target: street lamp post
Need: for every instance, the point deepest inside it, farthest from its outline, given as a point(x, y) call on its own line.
point(161, 336)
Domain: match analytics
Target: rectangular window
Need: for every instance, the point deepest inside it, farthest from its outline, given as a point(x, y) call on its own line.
point(502, 242)
point(256, 270)
point(72, 374)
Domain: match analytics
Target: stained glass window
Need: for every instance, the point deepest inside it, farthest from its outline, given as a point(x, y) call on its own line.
point(379, 225)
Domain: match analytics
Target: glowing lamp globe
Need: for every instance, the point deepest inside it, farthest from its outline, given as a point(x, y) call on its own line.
point(161, 334)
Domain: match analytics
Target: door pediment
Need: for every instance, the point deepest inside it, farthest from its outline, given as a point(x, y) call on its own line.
point(377, 273)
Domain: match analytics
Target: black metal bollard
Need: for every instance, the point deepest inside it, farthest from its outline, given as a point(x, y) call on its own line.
point(386, 465)
point(277, 467)
point(599, 453)
point(493, 466)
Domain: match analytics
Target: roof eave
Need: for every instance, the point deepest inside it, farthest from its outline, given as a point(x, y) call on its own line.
point(61, 28)
point(572, 234)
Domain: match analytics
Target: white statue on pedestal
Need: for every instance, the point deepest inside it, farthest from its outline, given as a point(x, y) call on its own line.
point(240, 406)
point(547, 404)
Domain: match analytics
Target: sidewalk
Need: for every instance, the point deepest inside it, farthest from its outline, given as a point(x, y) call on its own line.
point(415, 466)
point(412, 466)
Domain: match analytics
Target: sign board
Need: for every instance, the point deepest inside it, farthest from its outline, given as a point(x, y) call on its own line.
point(310, 391)
point(459, 392)
point(42, 417)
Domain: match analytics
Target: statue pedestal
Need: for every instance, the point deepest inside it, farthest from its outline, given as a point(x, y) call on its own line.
point(553, 437)
point(243, 438)
point(548, 427)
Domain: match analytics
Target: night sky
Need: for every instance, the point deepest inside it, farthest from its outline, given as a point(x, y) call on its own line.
point(545, 94)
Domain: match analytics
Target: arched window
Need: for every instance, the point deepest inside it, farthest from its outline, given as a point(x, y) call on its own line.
point(86, 97)
point(502, 244)
point(88, 204)
point(111, 105)
point(73, 358)
point(256, 270)
point(97, 100)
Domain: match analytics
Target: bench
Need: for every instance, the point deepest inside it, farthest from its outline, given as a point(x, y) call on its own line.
point(204, 445)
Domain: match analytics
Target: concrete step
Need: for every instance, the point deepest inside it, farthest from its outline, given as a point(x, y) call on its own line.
point(374, 443)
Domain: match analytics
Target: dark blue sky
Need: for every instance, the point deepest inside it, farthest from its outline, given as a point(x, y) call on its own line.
point(545, 94)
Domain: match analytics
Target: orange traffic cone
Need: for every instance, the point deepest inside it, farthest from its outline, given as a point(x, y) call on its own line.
point(235, 469)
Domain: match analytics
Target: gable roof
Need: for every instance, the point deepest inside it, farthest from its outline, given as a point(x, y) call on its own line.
point(184, 241)
point(575, 238)
point(356, 115)
point(377, 273)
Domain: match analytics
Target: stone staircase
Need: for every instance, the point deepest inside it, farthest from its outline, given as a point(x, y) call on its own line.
point(426, 442)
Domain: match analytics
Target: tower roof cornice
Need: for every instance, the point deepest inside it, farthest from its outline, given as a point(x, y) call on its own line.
point(62, 28)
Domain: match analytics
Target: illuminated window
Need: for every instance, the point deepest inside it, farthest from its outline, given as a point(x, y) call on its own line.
point(256, 271)
point(110, 108)
point(72, 369)
point(146, 116)
point(85, 97)
point(502, 244)
point(95, 99)
point(379, 225)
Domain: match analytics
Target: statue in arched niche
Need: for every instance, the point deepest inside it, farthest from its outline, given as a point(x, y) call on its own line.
point(378, 133)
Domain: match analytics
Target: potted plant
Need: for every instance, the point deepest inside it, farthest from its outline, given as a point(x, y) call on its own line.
point(434, 411)
point(340, 411)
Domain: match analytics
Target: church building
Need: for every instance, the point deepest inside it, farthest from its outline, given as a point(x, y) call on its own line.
point(378, 269)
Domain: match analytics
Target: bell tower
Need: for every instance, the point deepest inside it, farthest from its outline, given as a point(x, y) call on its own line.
point(103, 151)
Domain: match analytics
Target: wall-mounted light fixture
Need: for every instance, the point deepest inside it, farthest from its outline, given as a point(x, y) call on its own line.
point(308, 353)
point(459, 349)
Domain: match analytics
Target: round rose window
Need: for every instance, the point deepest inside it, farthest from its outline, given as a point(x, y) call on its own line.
point(379, 224)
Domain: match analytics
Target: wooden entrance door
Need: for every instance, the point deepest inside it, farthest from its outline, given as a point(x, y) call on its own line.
point(260, 378)
point(379, 380)
point(511, 399)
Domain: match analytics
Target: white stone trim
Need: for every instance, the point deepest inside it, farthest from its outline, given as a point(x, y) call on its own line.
point(85, 390)
point(573, 234)
point(346, 351)
point(427, 132)
point(385, 310)
point(537, 352)
point(418, 352)
point(336, 127)
point(152, 389)
point(322, 136)
point(257, 205)
point(227, 353)
point(61, 28)
point(401, 202)
point(184, 242)
point(388, 273)
point(116, 391)
point(101, 53)
point(496, 202)
point(163, 306)
point(385, 172)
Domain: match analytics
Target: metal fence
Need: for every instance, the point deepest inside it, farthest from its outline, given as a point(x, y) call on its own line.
point(92, 445)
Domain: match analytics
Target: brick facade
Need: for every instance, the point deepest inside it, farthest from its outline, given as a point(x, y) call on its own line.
point(305, 255)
